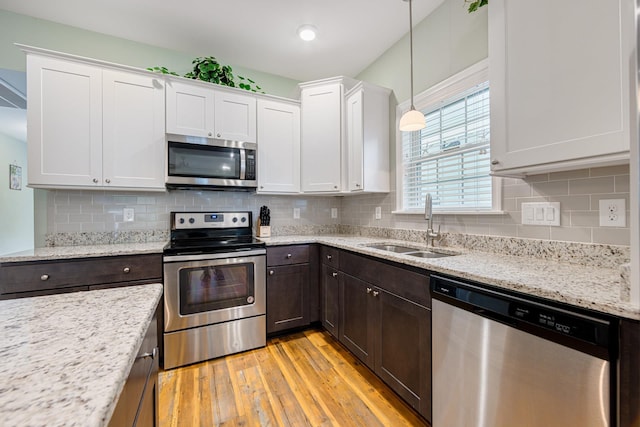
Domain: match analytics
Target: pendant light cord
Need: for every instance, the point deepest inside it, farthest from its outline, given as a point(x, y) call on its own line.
point(411, 51)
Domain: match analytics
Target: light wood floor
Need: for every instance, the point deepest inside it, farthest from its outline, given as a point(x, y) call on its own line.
point(303, 379)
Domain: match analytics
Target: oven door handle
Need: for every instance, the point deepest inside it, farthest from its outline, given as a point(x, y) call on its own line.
point(201, 257)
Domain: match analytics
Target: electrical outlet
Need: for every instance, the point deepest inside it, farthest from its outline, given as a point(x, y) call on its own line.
point(378, 213)
point(128, 214)
point(613, 213)
point(334, 213)
point(296, 213)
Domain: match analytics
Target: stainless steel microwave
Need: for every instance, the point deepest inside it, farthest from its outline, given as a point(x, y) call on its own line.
point(196, 162)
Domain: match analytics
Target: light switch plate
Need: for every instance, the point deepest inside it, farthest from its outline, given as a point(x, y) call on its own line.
point(334, 213)
point(128, 214)
point(378, 213)
point(296, 213)
point(544, 213)
point(612, 213)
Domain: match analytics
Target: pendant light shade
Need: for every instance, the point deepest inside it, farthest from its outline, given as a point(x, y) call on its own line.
point(412, 120)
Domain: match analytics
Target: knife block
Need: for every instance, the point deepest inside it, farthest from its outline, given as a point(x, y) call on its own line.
point(263, 230)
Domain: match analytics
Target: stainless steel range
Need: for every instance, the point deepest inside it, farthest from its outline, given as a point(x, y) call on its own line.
point(215, 287)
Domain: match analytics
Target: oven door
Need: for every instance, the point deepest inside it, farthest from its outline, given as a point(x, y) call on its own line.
point(206, 289)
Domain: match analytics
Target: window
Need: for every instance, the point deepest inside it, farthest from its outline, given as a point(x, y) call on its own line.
point(450, 157)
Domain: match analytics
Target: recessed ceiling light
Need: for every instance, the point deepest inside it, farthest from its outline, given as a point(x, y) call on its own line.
point(307, 32)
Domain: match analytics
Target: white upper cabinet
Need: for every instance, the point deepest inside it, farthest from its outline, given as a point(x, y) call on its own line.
point(560, 89)
point(196, 110)
point(90, 127)
point(190, 109)
point(64, 123)
point(235, 116)
point(133, 130)
point(321, 106)
point(367, 138)
point(278, 147)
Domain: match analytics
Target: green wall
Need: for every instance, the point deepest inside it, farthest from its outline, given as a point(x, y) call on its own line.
point(16, 28)
point(447, 41)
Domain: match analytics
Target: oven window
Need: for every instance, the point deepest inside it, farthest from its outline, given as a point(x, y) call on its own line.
point(211, 288)
point(203, 161)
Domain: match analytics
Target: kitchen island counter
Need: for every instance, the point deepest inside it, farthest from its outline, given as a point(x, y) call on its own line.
point(65, 358)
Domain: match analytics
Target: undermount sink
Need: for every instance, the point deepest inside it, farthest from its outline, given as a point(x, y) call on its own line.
point(428, 254)
point(392, 248)
point(408, 251)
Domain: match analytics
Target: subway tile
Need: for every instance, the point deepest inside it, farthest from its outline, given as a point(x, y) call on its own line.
point(537, 178)
point(534, 232)
point(551, 188)
point(571, 234)
point(513, 191)
point(580, 173)
point(585, 219)
point(610, 170)
point(79, 218)
point(573, 202)
point(612, 236)
point(67, 228)
point(622, 184)
point(591, 185)
point(504, 230)
point(93, 226)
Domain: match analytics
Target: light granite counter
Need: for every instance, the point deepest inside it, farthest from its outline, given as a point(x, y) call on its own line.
point(69, 252)
point(594, 288)
point(64, 359)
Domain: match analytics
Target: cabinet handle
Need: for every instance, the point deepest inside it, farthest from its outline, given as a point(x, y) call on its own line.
point(153, 354)
point(108, 181)
point(95, 180)
point(335, 186)
point(329, 257)
point(218, 135)
point(261, 187)
point(357, 185)
point(271, 272)
point(334, 274)
point(288, 255)
point(376, 293)
point(126, 270)
point(369, 290)
point(44, 277)
point(495, 162)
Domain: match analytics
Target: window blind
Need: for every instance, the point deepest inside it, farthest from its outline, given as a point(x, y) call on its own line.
point(450, 157)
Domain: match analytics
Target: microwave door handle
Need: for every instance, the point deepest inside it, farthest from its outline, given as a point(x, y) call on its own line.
point(243, 163)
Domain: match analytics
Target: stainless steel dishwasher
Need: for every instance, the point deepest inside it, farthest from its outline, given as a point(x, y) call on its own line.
point(502, 360)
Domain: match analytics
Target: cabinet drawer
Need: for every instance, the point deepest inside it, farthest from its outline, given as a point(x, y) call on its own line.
point(36, 276)
point(286, 255)
point(399, 281)
point(330, 256)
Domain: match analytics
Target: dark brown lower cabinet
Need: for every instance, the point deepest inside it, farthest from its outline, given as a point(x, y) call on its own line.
point(330, 307)
point(138, 402)
point(391, 335)
point(293, 295)
point(629, 371)
point(287, 297)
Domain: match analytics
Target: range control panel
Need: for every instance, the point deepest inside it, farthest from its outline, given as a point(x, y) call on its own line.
point(193, 220)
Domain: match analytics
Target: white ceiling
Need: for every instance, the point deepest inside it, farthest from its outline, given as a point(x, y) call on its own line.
point(257, 34)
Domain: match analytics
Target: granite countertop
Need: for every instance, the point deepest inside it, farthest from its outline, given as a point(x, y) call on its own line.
point(68, 252)
point(65, 358)
point(593, 288)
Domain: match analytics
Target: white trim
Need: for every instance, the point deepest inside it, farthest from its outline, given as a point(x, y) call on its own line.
point(476, 74)
point(487, 212)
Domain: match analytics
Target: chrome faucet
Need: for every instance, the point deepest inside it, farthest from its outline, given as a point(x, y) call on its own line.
point(428, 215)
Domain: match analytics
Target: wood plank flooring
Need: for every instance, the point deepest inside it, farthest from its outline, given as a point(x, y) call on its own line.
point(302, 379)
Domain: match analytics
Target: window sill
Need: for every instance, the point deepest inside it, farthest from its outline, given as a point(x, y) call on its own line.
point(413, 212)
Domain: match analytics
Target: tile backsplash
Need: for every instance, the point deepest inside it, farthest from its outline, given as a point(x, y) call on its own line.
point(579, 192)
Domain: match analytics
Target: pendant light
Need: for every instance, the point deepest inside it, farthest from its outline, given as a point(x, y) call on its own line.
point(412, 120)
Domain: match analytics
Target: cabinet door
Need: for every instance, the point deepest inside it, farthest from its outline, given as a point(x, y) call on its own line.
point(278, 147)
point(403, 349)
point(356, 317)
point(321, 138)
point(287, 297)
point(64, 123)
point(235, 117)
point(355, 140)
point(559, 83)
point(330, 306)
point(133, 130)
point(190, 109)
